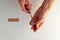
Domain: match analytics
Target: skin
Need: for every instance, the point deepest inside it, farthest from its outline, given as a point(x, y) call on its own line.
point(40, 15)
point(22, 4)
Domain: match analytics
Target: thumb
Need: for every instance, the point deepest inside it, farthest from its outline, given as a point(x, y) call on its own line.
point(29, 4)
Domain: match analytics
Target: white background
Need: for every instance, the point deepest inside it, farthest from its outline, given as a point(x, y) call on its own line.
point(21, 30)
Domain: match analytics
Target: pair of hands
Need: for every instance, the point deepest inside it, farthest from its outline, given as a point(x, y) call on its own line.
point(37, 16)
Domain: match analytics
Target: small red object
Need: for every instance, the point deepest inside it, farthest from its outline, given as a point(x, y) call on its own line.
point(13, 19)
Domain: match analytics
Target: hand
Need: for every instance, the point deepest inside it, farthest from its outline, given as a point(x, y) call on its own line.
point(40, 15)
point(38, 18)
point(25, 4)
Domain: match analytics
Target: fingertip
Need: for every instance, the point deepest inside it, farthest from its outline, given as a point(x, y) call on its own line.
point(31, 22)
point(33, 29)
point(30, 7)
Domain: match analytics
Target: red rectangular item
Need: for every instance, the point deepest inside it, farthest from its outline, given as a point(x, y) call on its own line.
point(13, 19)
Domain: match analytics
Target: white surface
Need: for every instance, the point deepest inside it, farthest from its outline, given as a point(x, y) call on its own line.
point(21, 30)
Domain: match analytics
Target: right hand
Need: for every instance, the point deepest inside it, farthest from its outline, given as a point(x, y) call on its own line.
point(22, 4)
point(38, 18)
